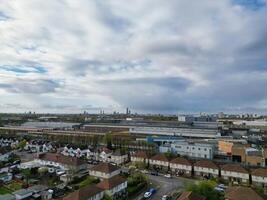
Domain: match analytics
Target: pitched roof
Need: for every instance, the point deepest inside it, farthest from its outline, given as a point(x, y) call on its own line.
point(181, 161)
point(7, 197)
point(110, 183)
point(105, 168)
point(106, 150)
point(259, 172)
point(59, 158)
point(141, 154)
point(206, 164)
point(190, 196)
point(241, 193)
point(160, 157)
point(84, 193)
point(118, 153)
point(234, 168)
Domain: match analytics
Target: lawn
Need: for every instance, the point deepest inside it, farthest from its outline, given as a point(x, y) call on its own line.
point(4, 191)
point(14, 186)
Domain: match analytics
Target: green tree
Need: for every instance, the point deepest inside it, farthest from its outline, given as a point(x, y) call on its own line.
point(22, 144)
point(26, 173)
point(107, 197)
point(205, 188)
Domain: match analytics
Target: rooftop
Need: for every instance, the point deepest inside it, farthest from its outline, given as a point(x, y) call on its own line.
point(141, 154)
point(181, 160)
point(206, 164)
point(242, 193)
point(110, 183)
point(234, 168)
point(84, 193)
point(188, 195)
point(105, 168)
point(259, 172)
point(160, 157)
point(59, 158)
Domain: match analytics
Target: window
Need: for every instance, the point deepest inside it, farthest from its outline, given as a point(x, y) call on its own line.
point(205, 149)
point(199, 149)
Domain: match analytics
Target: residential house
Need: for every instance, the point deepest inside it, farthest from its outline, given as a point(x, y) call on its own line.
point(259, 177)
point(235, 174)
point(38, 190)
point(104, 171)
point(140, 156)
point(91, 192)
point(7, 197)
point(22, 194)
point(5, 153)
point(6, 177)
point(119, 158)
point(69, 164)
point(159, 162)
point(188, 195)
point(114, 186)
point(181, 166)
point(104, 155)
point(206, 168)
point(74, 152)
point(241, 193)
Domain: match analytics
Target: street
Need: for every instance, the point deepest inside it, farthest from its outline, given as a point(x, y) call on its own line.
point(165, 185)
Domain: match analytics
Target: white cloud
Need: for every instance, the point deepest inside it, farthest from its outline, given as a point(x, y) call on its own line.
point(115, 54)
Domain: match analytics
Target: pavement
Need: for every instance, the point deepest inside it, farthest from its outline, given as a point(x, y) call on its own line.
point(165, 186)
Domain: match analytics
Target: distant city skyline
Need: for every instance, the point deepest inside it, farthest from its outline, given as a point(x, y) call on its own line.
point(151, 56)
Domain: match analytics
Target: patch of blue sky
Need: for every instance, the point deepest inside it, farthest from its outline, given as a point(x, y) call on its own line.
point(251, 4)
point(23, 69)
point(3, 16)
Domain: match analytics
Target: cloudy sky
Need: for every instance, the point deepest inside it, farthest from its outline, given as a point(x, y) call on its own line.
point(153, 56)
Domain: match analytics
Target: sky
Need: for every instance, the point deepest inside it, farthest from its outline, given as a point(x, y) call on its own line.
point(153, 56)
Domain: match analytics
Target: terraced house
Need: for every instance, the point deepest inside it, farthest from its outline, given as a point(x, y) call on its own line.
point(159, 162)
point(181, 166)
point(259, 177)
point(235, 174)
point(206, 168)
point(140, 156)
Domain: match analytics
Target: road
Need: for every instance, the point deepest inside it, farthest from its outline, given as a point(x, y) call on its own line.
point(165, 185)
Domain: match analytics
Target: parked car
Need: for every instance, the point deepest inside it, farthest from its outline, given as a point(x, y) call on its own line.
point(218, 189)
point(167, 176)
point(154, 173)
point(165, 197)
point(222, 186)
point(60, 172)
point(149, 193)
